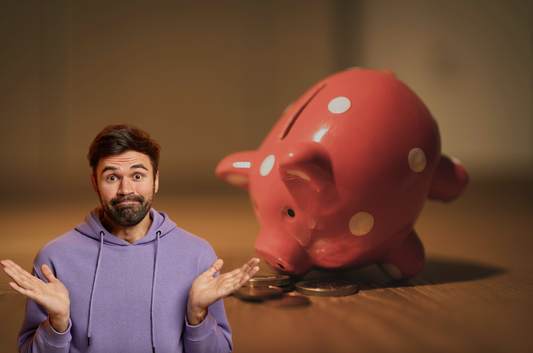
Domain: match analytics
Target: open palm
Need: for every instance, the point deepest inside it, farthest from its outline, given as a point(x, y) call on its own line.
point(53, 296)
point(206, 289)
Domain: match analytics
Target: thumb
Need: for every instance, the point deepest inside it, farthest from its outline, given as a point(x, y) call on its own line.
point(48, 274)
point(215, 267)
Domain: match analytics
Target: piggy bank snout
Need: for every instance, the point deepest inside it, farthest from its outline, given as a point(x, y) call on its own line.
point(284, 254)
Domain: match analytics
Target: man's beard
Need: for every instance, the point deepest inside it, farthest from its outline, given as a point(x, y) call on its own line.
point(128, 215)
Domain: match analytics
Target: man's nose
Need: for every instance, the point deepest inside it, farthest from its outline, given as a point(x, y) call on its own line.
point(126, 187)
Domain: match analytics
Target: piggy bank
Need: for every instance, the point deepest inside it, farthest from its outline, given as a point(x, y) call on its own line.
point(342, 177)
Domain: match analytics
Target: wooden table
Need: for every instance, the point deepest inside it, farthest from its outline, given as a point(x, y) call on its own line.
point(474, 294)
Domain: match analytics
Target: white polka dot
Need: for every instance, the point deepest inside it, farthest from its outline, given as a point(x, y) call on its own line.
point(339, 105)
point(236, 179)
point(392, 271)
point(361, 223)
point(267, 165)
point(455, 160)
point(300, 174)
point(242, 164)
point(417, 160)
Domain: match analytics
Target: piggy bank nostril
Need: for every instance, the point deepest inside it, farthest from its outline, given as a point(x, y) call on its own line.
point(281, 266)
point(291, 213)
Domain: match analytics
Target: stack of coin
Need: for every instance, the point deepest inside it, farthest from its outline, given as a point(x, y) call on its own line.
point(258, 294)
point(269, 280)
point(326, 288)
point(264, 287)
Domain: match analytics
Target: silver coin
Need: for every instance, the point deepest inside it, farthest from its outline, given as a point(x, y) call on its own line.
point(289, 300)
point(257, 294)
point(269, 280)
point(326, 288)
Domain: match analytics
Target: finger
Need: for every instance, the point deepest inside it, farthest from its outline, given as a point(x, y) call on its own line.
point(23, 282)
point(15, 276)
point(215, 267)
point(237, 278)
point(48, 274)
point(253, 263)
point(20, 276)
point(17, 288)
point(249, 266)
point(248, 275)
point(18, 270)
point(6, 262)
point(24, 292)
point(244, 269)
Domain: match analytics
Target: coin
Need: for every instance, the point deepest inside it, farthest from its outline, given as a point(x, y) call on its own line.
point(326, 288)
point(269, 280)
point(287, 288)
point(257, 294)
point(289, 300)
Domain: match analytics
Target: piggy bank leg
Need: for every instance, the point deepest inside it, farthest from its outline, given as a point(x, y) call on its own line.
point(405, 260)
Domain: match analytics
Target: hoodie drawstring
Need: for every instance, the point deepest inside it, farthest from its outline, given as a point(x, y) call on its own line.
point(158, 233)
point(102, 234)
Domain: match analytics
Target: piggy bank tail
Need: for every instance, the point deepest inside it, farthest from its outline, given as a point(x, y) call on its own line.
point(449, 180)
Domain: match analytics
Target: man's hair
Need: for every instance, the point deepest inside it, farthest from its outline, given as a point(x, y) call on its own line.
point(117, 139)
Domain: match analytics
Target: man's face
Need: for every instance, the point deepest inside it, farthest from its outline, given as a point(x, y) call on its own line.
point(125, 185)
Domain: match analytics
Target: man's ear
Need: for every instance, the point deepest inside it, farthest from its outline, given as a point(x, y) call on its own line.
point(156, 182)
point(95, 186)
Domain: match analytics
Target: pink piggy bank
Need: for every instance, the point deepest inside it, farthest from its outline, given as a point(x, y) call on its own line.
point(341, 178)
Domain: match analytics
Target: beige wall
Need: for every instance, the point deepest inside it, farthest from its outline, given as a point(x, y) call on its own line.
point(210, 78)
point(471, 62)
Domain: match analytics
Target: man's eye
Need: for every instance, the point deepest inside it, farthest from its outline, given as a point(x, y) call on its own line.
point(111, 178)
point(137, 176)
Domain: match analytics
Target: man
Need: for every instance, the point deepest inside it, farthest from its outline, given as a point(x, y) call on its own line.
point(127, 279)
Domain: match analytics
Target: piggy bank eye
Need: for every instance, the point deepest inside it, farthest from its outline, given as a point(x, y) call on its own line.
point(290, 212)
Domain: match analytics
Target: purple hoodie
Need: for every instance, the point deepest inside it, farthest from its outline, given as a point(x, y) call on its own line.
point(126, 297)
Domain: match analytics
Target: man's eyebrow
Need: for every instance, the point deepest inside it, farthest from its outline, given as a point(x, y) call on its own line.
point(140, 165)
point(108, 167)
point(135, 166)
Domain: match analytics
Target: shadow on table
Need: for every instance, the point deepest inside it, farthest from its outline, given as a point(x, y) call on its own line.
point(435, 271)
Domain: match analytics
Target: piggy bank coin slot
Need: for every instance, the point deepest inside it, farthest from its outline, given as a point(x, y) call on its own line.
point(295, 115)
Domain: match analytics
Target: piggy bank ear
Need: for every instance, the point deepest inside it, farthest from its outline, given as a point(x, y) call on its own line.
point(234, 169)
point(306, 164)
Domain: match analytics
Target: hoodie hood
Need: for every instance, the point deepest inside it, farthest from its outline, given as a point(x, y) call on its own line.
point(92, 227)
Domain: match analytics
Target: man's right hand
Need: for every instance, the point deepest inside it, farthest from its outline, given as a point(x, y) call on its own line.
point(53, 296)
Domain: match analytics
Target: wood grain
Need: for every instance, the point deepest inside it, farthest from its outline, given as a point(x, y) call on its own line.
point(474, 294)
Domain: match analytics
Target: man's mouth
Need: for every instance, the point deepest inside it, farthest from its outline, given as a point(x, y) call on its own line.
point(126, 202)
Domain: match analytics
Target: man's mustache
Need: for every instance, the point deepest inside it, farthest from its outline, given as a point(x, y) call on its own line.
point(117, 200)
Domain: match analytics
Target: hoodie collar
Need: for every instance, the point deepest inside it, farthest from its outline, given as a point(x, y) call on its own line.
point(92, 228)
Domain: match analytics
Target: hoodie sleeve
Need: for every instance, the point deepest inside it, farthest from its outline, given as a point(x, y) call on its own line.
point(214, 333)
point(37, 334)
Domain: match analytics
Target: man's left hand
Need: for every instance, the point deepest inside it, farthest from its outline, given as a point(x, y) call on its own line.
point(206, 289)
